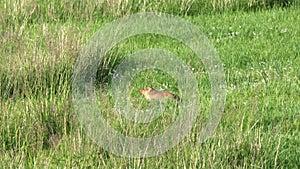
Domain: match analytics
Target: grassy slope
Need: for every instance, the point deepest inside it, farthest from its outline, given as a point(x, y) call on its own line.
point(260, 52)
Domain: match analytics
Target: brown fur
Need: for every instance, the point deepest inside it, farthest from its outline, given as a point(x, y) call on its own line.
point(151, 94)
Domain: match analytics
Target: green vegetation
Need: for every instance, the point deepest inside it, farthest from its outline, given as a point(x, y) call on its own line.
point(257, 41)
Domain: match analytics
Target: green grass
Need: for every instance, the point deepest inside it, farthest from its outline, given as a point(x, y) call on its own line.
point(259, 49)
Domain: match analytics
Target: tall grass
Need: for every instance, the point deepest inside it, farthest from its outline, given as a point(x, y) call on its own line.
point(41, 42)
point(21, 20)
point(22, 12)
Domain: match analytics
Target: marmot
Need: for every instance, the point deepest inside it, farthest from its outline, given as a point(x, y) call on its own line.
point(151, 94)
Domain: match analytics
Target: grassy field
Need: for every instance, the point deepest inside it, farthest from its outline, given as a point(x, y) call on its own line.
point(257, 41)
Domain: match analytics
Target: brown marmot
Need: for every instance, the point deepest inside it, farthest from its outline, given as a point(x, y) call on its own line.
point(151, 94)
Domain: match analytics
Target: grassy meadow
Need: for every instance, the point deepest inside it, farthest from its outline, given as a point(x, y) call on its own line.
point(257, 41)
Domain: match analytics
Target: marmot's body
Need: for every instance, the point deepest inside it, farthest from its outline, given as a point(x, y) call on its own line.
point(151, 94)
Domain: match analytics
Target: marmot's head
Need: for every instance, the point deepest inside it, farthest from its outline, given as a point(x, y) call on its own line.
point(146, 90)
